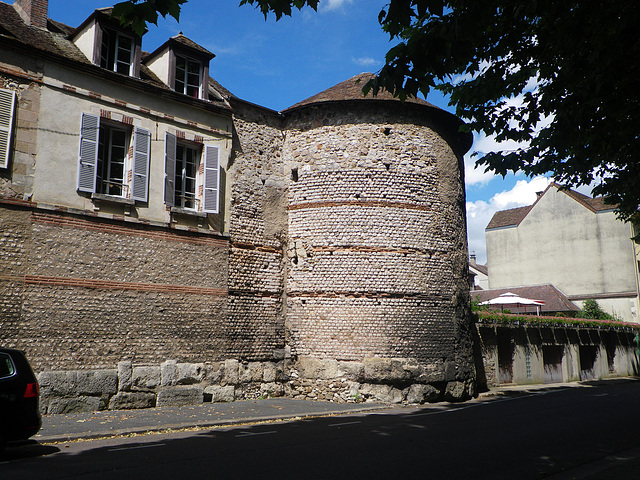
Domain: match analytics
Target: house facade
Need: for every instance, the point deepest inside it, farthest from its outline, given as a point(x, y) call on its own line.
point(571, 241)
point(149, 215)
point(478, 274)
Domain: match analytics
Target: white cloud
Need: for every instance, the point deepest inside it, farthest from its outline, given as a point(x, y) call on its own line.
point(523, 193)
point(475, 175)
point(367, 62)
point(479, 213)
point(328, 5)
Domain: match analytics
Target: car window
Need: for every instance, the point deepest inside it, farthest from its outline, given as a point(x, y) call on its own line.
point(7, 368)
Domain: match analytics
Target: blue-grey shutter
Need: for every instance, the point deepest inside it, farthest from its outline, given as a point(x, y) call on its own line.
point(170, 145)
point(211, 190)
point(89, 133)
point(141, 152)
point(7, 112)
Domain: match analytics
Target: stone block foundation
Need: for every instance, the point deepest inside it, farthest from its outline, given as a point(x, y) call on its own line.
point(130, 386)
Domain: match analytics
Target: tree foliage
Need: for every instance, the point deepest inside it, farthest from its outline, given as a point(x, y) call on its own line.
point(556, 80)
point(137, 13)
point(591, 309)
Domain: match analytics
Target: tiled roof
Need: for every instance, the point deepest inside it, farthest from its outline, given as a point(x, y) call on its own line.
point(183, 41)
point(554, 300)
point(352, 90)
point(594, 204)
point(13, 28)
point(187, 42)
point(56, 43)
point(481, 268)
point(507, 218)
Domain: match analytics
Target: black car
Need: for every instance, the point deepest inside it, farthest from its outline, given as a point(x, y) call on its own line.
point(19, 398)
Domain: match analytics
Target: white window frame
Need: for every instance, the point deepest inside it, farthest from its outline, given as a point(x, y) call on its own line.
point(107, 32)
point(188, 60)
point(8, 105)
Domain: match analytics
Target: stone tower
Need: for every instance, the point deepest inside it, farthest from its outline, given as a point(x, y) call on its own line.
point(376, 279)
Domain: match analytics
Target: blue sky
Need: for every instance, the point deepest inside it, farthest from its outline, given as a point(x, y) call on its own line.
point(277, 64)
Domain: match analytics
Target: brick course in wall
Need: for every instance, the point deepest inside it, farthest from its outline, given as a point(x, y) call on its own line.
point(374, 240)
point(81, 291)
point(346, 242)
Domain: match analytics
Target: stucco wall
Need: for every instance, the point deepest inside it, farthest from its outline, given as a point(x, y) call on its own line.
point(59, 122)
point(563, 243)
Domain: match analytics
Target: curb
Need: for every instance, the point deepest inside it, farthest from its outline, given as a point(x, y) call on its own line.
point(166, 427)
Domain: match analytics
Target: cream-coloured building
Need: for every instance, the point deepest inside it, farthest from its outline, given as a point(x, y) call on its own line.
point(571, 241)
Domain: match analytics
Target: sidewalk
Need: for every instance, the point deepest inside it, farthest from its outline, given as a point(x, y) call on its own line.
point(74, 426)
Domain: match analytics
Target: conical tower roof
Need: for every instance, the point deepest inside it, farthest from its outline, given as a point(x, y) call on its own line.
point(352, 90)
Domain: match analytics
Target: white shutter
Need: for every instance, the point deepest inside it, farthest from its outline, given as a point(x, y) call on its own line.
point(7, 112)
point(141, 152)
point(170, 145)
point(89, 134)
point(211, 190)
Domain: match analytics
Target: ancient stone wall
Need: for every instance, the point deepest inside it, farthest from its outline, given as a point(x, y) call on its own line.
point(86, 292)
point(129, 385)
point(345, 258)
point(377, 240)
point(257, 229)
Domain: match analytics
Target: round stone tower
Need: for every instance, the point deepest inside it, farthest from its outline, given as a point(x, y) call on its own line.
point(376, 278)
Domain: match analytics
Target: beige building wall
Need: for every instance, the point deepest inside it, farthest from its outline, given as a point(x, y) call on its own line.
point(582, 253)
point(56, 174)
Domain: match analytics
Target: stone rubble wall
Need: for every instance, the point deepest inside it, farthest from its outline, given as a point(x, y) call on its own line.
point(81, 291)
point(376, 257)
point(172, 383)
point(257, 231)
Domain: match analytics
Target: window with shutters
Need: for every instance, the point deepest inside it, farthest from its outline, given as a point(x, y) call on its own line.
point(114, 159)
point(192, 175)
point(7, 114)
point(116, 52)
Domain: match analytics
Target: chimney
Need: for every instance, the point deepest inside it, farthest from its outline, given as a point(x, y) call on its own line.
point(472, 259)
point(33, 12)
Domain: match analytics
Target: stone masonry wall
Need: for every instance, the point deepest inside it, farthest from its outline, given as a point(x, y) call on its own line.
point(170, 383)
point(84, 292)
point(257, 229)
point(376, 237)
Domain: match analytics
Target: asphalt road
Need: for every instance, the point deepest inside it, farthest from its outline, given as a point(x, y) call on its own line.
point(581, 433)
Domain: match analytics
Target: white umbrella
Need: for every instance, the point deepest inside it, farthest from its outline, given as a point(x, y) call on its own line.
point(513, 299)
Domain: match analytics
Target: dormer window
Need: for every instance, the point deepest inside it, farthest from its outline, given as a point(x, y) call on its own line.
point(188, 78)
point(182, 65)
point(109, 45)
point(117, 51)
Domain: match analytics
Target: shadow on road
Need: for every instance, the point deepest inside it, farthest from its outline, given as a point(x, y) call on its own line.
point(29, 449)
point(550, 435)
